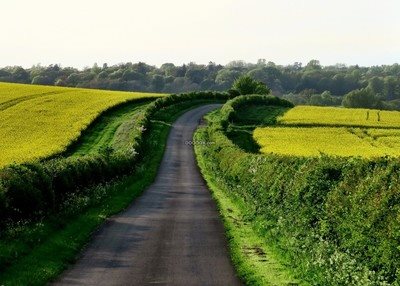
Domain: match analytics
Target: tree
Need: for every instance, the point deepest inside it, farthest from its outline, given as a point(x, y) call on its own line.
point(301, 84)
point(141, 67)
point(131, 75)
point(60, 82)
point(96, 69)
point(73, 79)
point(269, 75)
point(5, 75)
point(168, 69)
point(226, 76)
point(376, 85)
point(324, 99)
point(313, 65)
point(247, 85)
point(40, 79)
point(361, 98)
point(391, 88)
point(102, 75)
point(196, 74)
point(20, 75)
point(157, 83)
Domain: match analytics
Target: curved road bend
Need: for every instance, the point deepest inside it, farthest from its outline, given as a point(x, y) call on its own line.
point(171, 235)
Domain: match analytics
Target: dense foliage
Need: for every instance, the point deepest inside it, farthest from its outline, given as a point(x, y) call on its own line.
point(362, 98)
point(335, 220)
point(33, 189)
point(247, 85)
point(229, 113)
point(302, 84)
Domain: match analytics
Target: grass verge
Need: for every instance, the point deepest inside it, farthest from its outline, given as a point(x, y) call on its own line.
point(112, 130)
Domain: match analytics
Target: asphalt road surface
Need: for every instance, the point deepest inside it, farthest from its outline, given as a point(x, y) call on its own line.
point(171, 235)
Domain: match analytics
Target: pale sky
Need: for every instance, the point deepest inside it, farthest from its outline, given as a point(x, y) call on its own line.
point(81, 32)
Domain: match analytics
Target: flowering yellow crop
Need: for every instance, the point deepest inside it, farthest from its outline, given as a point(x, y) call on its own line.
point(312, 131)
point(39, 121)
point(338, 141)
point(334, 116)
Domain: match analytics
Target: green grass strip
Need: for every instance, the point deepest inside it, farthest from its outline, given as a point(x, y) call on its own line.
point(113, 129)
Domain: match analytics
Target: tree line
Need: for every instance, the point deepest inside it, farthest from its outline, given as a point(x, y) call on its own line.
point(302, 84)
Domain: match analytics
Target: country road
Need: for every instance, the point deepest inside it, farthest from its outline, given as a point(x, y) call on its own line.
point(171, 235)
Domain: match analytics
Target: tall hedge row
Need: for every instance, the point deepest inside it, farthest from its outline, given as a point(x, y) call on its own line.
point(228, 111)
point(35, 189)
point(336, 219)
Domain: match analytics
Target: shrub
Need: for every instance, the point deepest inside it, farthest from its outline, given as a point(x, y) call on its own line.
point(247, 85)
point(228, 111)
point(362, 98)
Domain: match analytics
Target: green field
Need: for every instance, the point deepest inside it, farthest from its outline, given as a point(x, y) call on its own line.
point(40, 121)
point(314, 131)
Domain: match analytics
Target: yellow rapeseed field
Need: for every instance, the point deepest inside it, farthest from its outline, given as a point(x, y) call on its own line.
point(11, 94)
point(338, 141)
point(334, 116)
point(313, 131)
point(39, 121)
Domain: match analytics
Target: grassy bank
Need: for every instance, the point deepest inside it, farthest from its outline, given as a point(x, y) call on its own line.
point(115, 130)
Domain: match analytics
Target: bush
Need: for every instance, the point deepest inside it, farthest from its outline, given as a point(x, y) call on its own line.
point(247, 85)
point(228, 111)
point(361, 98)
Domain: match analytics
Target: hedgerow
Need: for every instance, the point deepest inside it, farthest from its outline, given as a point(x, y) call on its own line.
point(335, 220)
point(38, 188)
point(228, 111)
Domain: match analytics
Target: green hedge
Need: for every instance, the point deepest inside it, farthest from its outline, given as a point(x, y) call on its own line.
point(336, 220)
point(228, 111)
point(35, 189)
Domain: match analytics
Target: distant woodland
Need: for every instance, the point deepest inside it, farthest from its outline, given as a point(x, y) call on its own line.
point(314, 84)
